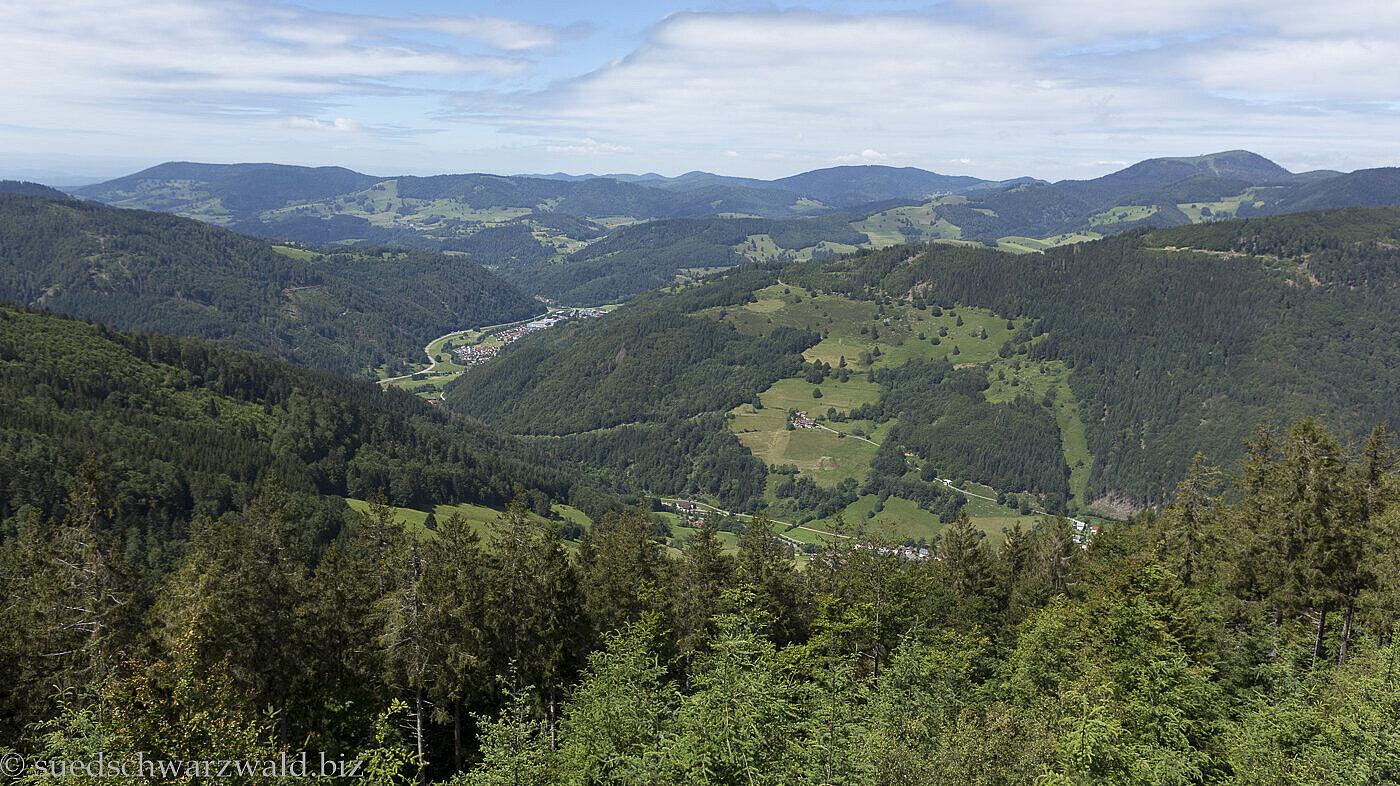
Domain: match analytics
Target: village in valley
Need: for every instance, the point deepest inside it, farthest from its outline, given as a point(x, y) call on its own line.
point(448, 358)
point(475, 354)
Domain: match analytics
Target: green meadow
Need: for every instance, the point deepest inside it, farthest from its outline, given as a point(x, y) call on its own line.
point(855, 329)
point(478, 517)
point(910, 224)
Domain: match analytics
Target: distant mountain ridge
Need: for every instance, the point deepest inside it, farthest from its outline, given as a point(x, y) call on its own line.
point(537, 229)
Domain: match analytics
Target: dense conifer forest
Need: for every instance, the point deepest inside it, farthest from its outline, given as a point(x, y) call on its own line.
point(1242, 635)
point(170, 429)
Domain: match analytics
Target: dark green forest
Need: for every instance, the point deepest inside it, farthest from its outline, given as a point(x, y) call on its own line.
point(341, 311)
point(637, 259)
point(943, 418)
point(171, 429)
point(648, 362)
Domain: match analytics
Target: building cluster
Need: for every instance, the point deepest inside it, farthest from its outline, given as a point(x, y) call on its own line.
point(474, 354)
point(1083, 533)
point(914, 553)
point(480, 353)
point(800, 420)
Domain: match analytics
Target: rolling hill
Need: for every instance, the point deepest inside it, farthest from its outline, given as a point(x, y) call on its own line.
point(1089, 375)
point(539, 230)
point(345, 310)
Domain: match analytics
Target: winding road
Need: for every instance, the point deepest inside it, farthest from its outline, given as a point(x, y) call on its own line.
point(428, 350)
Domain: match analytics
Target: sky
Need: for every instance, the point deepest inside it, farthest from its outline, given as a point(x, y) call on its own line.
point(991, 88)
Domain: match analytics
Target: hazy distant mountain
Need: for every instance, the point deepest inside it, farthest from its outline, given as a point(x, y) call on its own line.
point(524, 225)
point(1148, 192)
point(849, 186)
point(838, 187)
point(201, 190)
point(1362, 188)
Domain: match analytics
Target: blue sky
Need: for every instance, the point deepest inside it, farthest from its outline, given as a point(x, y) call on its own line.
point(993, 88)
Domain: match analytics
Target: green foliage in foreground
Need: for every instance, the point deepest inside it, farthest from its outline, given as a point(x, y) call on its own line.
point(1243, 636)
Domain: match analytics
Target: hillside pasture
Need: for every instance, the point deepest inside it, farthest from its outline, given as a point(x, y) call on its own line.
point(480, 518)
point(910, 224)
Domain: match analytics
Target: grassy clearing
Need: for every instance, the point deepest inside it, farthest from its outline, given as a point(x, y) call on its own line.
point(681, 533)
point(759, 248)
point(297, 253)
point(1019, 244)
point(1076, 446)
point(428, 387)
point(1122, 214)
point(1212, 211)
point(796, 393)
point(854, 329)
point(825, 457)
point(911, 224)
point(900, 519)
point(992, 518)
point(478, 517)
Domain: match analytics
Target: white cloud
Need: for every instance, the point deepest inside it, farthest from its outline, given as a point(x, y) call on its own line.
point(866, 156)
point(1315, 70)
point(110, 51)
point(1034, 89)
point(339, 124)
point(506, 34)
point(1009, 87)
point(587, 147)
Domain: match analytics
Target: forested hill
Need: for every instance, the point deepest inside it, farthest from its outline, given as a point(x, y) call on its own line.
point(648, 362)
point(343, 311)
point(25, 188)
point(1181, 340)
point(1167, 342)
point(164, 429)
point(639, 258)
point(237, 189)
